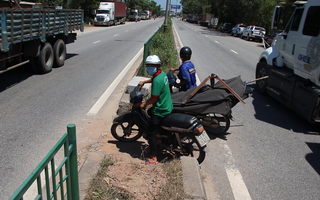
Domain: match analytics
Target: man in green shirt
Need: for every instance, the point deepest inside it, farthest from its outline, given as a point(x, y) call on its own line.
point(160, 100)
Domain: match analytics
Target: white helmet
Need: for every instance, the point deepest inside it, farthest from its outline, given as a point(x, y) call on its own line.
point(153, 60)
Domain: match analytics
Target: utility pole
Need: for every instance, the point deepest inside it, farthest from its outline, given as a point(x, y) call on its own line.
point(166, 18)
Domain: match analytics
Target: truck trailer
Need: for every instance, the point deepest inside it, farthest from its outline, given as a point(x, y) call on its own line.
point(110, 13)
point(31, 34)
point(292, 63)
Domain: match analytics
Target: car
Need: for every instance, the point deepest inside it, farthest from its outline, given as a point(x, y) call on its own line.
point(254, 33)
point(226, 27)
point(237, 30)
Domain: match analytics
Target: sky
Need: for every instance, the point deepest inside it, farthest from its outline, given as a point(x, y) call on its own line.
point(163, 3)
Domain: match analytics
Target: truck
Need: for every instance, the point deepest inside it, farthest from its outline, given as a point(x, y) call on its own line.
point(205, 19)
point(289, 70)
point(134, 13)
point(213, 22)
point(145, 14)
point(110, 13)
point(30, 34)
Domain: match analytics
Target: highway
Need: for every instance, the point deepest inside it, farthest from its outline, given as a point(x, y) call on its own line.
point(269, 152)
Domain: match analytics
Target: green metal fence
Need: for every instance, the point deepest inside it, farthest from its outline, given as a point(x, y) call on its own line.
point(65, 176)
point(147, 45)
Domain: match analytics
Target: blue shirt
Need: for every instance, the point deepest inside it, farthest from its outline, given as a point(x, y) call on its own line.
point(187, 72)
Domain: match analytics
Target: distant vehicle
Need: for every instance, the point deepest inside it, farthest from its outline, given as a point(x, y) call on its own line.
point(205, 19)
point(110, 13)
point(134, 13)
point(237, 29)
point(254, 33)
point(145, 14)
point(213, 22)
point(226, 27)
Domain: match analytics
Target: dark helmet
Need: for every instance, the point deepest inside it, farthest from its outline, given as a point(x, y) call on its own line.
point(185, 52)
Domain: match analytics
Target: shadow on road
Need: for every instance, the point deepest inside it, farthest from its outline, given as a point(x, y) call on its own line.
point(314, 157)
point(271, 111)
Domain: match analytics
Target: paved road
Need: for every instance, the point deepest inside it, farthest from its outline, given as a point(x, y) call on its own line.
point(268, 152)
point(35, 109)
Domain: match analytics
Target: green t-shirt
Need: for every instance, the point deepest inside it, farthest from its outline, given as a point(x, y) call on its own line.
point(160, 88)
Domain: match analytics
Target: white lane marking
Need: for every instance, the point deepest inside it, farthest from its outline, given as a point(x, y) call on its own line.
point(96, 42)
point(98, 105)
point(234, 51)
point(115, 35)
point(239, 188)
point(216, 41)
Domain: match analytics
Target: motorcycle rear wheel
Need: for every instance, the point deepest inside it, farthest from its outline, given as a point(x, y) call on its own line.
point(223, 124)
point(126, 131)
point(193, 149)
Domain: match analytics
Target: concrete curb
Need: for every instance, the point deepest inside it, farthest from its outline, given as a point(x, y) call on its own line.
point(88, 171)
point(192, 180)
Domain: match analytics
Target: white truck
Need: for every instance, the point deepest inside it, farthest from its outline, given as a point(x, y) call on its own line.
point(292, 63)
point(145, 14)
point(110, 13)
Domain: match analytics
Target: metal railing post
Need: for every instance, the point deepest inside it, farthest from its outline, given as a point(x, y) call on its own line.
point(73, 161)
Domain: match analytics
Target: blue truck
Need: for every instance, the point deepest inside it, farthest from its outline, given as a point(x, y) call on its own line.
point(32, 34)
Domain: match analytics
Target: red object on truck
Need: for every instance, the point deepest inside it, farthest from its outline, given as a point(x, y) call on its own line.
point(120, 9)
point(205, 19)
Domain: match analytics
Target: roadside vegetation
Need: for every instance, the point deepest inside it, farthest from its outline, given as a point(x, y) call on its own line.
point(102, 186)
point(162, 45)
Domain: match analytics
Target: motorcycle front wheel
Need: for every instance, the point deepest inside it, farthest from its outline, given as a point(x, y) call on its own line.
point(126, 131)
point(223, 124)
point(192, 148)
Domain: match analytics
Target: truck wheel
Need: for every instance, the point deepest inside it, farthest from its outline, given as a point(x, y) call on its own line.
point(60, 53)
point(261, 71)
point(45, 59)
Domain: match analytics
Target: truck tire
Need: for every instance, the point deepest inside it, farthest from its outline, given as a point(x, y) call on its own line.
point(44, 62)
point(261, 71)
point(60, 53)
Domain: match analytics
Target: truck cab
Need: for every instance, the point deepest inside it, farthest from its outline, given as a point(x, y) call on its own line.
point(104, 14)
point(292, 63)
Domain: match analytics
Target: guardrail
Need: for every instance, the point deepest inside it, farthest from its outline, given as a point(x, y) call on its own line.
point(148, 44)
point(66, 174)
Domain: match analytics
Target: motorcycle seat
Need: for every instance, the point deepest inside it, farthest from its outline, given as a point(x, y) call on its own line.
point(179, 120)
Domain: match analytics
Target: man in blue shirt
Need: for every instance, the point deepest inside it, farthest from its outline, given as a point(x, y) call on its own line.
point(187, 72)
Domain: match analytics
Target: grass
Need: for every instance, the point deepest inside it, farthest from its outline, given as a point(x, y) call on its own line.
point(99, 187)
point(173, 189)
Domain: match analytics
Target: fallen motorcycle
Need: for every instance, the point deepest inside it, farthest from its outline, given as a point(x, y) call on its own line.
point(211, 103)
point(181, 134)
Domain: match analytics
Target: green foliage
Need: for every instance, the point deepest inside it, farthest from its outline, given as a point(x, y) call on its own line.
point(250, 12)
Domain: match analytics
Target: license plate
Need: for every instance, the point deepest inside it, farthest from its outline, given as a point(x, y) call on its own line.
point(100, 22)
point(203, 138)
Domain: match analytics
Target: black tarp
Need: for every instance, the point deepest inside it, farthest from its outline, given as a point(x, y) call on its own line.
point(210, 100)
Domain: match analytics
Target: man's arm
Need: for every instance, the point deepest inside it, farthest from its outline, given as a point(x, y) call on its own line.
point(150, 101)
point(144, 82)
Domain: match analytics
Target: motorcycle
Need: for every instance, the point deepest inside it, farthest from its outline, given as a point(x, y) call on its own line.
point(211, 103)
point(180, 135)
